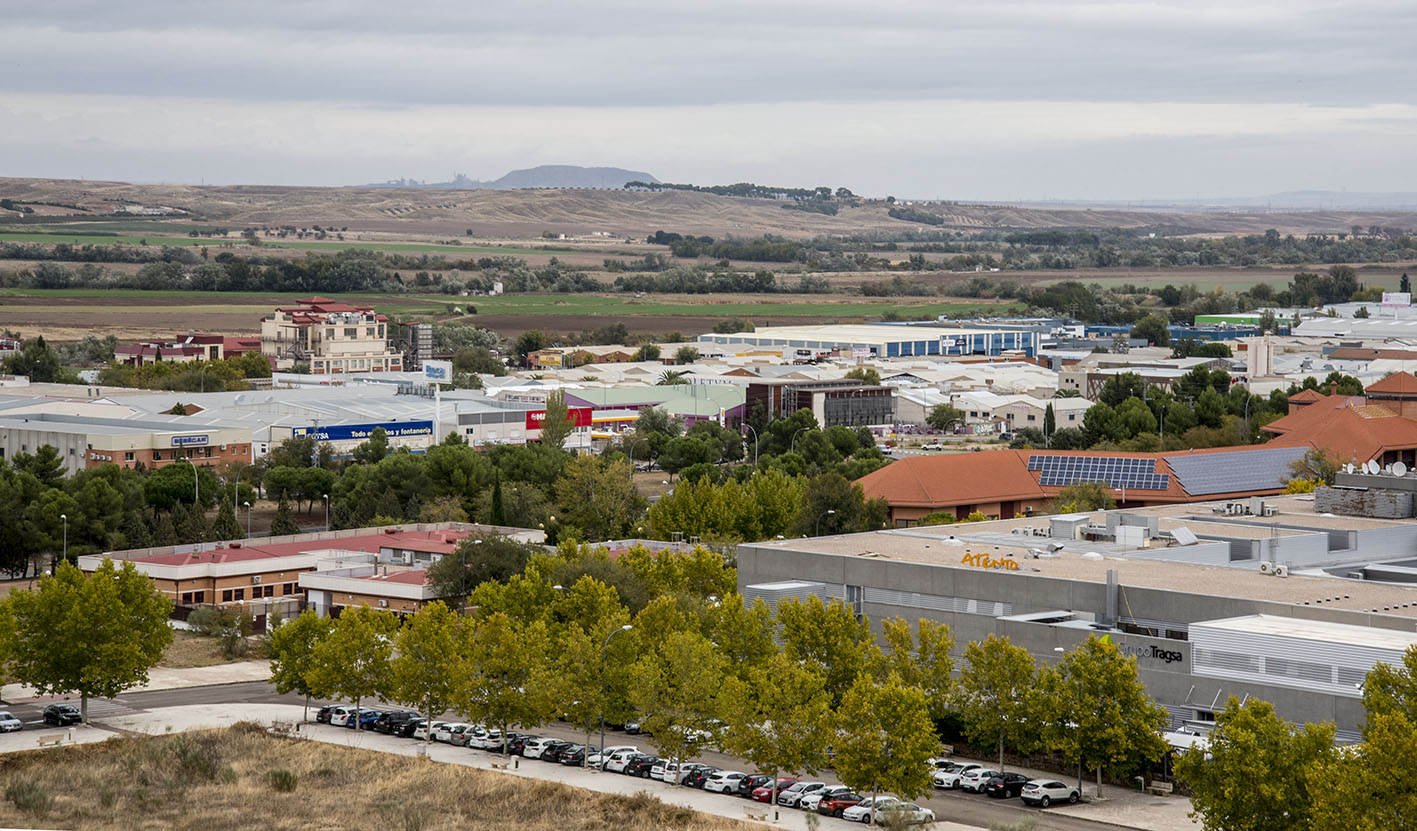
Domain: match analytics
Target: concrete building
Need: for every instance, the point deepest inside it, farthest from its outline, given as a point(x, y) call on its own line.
point(186, 349)
point(333, 338)
point(883, 340)
point(85, 441)
point(1214, 600)
point(845, 403)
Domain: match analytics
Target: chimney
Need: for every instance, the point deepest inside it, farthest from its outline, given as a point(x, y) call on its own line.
point(1333, 388)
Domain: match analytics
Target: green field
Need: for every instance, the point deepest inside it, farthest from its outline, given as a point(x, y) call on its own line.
point(56, 238)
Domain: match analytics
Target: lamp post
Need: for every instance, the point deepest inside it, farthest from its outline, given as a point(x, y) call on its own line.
point(326, 497)
point(603, 647)
point(792, 445)
point(64, 517)
point(755, 441)
point(248, 519)
point(827, 512)
point(195, 495)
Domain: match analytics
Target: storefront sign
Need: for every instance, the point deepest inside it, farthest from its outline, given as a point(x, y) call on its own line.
point(983, 560)
point(439, 372)
point(361, 432)
point(1145, 651)
point(189, 441)
point(576, 416)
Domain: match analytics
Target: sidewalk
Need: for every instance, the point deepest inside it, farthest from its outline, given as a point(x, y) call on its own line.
point(162, 678)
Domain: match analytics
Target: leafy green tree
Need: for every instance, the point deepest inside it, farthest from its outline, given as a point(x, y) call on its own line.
point(1082, 497)
point(592, 674)
point(45, 465)
point(779, 717)
point(227, 527)
point(886, 738)
point(994, 695)
point(352, 662)
point(941, 416)
point(499, 510)
point(503, 677)
point(1121, 387)
point(1096, 710)
point(686, 355)
point(423, 670)
point(1391, 689)
point(37, 361)
point(476, 560)
point(527, 343)
point(292, 647)
point(921, 659)
point(744, 633)
point(1367, 788)
point(284, 522)
point(95, 635)
point(675, 688)
point(648, 352)
point(1255, 773)
point(1154, 328)
point(827, 639)
point(557, 424)
point(599, 497)
point(375, 449)
point(832, 505)
point(865, 375)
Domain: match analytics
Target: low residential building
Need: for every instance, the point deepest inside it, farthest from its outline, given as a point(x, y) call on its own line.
point(185, 349)
point(89, 442)
point(333, 338)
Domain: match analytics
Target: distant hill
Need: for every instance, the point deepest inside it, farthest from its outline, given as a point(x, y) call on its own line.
point(542, 176)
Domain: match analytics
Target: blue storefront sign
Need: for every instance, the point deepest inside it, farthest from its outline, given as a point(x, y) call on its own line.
point(189, 441)
point(361, 432)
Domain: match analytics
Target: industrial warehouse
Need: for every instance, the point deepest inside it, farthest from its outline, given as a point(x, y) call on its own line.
point(1266, 597)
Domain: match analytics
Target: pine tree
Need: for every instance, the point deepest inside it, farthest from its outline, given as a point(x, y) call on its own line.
point(388, 506)
point(1050, 421)
point(499, 512)
point(227, 527)
point(1404, 285)
point(284, 523)
point(195, 527)
point(136, 532)
point(164, 533)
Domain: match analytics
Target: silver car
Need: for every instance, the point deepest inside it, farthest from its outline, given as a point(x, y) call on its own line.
point(9, 724)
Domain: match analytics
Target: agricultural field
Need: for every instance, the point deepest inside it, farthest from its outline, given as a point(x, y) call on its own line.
point(69, 314)
point(242, 778)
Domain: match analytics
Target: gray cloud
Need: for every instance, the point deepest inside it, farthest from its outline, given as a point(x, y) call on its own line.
point(868, 95)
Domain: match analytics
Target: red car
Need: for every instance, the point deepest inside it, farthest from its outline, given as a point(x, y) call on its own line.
point(764, 794)
point(832, 806)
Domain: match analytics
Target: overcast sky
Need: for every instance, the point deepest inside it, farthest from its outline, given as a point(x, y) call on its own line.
point(990, 99)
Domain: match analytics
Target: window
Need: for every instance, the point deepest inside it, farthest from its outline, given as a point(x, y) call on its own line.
point(351, 331)
point(329, 334)
point(287, 589)
point(270, 590)
point(128, 457)
point(240, 594)
point(200, 597)
point(186, 598)
point(853, 599)
point(369, 331)
point(157, 455)
point(1031, 417)
point(71, 451)
point(226, 596)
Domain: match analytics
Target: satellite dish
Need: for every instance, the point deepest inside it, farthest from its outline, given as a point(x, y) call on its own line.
point(1348, 468)
point(1371, 467)
point(1399, 469)
point(240, 397)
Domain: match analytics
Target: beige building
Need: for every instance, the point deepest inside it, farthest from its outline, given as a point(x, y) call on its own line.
point(331, 337)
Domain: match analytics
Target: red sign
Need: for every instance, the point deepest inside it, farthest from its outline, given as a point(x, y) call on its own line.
point(575, 416)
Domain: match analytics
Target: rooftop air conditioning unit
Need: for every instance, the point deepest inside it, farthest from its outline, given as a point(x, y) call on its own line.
point(256, 580)
point(1270, 510)
point(1266, 567)
point(1281, 571)
point(383, 603)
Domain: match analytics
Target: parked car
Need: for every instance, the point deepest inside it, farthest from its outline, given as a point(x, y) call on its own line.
point(464, 738)
point(909, 814)
point(1044, 792)
point(973, 781)
point(518, 742)
point(322, 716)
point(365, 721)
point(552, 751)
point(421, 731)
point(763, 793)
point(724, 781)
point(391, 721)
point(339, 715)
point(949, 777)
point(752, 782)
point(932, 445)
point(836, 804)
point(616, 762)
point(10, 724)
point(697, 777)
point(62, 714)
point(532, 748)
point(598, 756)
point(633, 727)
point(573, 755)
point(671, 772)
point(861, 811)
point(793, 795)
point(810, 801)
point(408, 728)
point(1005, 785)
point(641, 766)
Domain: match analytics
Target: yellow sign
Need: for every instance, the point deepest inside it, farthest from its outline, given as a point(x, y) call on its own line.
point(982, 560)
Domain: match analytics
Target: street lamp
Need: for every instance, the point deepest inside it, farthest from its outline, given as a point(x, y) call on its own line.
point(755, 442)
point(327, 511)
point(827, 512)
point(64, 517)
point(196, 496)
point(248, 519)
point(792, 445)
point(603, 646)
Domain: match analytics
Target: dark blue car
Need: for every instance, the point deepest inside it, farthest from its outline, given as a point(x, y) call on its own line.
point(366, 719)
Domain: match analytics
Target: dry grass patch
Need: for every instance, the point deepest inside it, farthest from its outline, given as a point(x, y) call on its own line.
point(189, 649)
point(243, 778)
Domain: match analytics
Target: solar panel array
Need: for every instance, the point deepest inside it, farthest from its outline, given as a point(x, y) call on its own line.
point(1117, 472)
point(1234, 472)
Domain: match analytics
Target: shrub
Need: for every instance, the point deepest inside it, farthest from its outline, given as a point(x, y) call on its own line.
point(30, 797)
point(281, 780)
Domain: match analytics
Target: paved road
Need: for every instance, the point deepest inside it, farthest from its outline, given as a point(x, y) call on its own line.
point(953, 806)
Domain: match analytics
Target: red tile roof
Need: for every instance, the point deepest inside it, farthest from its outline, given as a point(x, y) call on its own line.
point(1307, 396)
point(433, 542)
point(1305, 418)
point(1354, 434)
point(1398, 383)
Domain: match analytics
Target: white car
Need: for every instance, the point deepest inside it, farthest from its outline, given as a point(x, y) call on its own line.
point(909, 814)
point(486, 740)
point(811, 801)
point(533, 749)
point(1044, 792)
point(949, 777)
point(340, 716)
point(617, 761)
point(725, 781)
point(932, 445)
point(664, 771)
point(861, 811)
point(595, 759)
point(974, 780)
point(421, 731)
point(448, 730)
point(464, 737)
point(9, 724)
point(792, 797)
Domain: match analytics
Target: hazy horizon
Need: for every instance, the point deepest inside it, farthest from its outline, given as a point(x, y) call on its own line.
point(1001, 102)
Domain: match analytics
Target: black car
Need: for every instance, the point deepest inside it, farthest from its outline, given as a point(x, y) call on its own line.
point(748, 784)
point(323, 716)
point(1005, 785)
point(698, 776)
point(391, 721)
point(405, 729)
point(517, 741)
point(573, 755)
point(641, 765)
point(62, 714)
point(552, 751)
